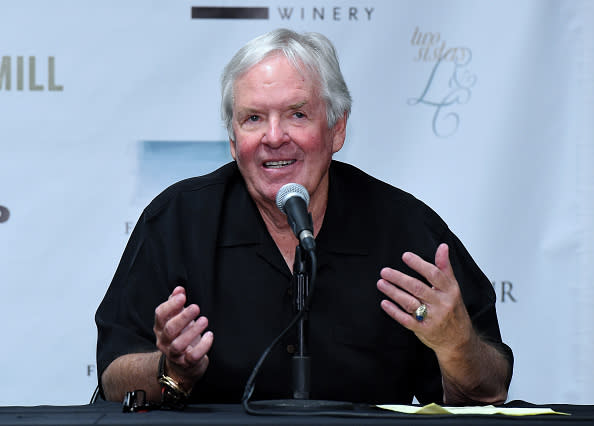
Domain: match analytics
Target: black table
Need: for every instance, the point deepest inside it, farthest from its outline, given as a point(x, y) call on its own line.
point(109, 413)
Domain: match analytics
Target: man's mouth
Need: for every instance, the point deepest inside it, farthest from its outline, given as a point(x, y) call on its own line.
point(278, 164)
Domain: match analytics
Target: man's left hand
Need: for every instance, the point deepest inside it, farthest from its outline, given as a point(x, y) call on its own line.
point(446, 328)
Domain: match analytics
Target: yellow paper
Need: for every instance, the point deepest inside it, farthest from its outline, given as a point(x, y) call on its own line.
point(487, 409)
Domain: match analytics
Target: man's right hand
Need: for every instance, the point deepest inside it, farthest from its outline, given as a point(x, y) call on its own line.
point(179, 331)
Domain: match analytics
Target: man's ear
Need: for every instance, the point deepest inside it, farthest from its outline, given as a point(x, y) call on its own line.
point(339, 133)
point(232, 148)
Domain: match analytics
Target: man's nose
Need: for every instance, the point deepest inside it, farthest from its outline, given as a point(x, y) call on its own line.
point(275, 133)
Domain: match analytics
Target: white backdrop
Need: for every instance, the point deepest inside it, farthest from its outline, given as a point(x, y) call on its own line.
point(103, 104)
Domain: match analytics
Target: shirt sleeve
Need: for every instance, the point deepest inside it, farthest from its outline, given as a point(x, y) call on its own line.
point(125, 316)
point(479, 298)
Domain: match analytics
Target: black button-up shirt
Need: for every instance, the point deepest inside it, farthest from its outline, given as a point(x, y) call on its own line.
point(206, 234)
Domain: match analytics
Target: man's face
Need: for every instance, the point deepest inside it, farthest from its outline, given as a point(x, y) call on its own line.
point(281, 131)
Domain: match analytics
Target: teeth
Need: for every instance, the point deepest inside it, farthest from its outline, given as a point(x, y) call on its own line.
point(278, 164)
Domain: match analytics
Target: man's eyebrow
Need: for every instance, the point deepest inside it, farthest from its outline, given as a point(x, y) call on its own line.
point(298, 105)
point(246, 110)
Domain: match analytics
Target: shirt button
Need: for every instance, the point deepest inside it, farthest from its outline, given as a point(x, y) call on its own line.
point(291, 349)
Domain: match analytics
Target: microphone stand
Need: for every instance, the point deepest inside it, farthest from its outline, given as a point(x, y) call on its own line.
point(301, 362)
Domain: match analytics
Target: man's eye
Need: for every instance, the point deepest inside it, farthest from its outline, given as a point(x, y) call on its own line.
point(299, 114)
point(253, 118)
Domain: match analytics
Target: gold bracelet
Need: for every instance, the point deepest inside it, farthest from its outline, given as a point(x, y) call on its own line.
point(171, 383)
point(172, 394)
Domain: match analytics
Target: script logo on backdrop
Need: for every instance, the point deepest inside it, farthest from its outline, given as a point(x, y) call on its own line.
point(287, 13)
point(449, 83)
point(4, 214)
point(14, 71)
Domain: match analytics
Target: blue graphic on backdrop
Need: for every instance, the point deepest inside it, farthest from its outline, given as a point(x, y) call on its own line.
point(162, 163)
point(449, 85)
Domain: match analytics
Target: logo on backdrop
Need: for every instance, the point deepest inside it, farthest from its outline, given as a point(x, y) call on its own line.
point(4, 214)
point(32, 73)
point(449, 83)
point(287, 13)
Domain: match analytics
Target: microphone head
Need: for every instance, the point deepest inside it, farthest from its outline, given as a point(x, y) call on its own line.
point(288, 191)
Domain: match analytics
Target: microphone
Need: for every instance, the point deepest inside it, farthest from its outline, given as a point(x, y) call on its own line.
point(292, 199)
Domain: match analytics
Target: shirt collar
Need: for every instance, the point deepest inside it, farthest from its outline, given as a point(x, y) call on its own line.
point(241, 223)
point(342, 232)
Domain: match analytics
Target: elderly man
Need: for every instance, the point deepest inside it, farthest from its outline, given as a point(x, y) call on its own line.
point(217, 247)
